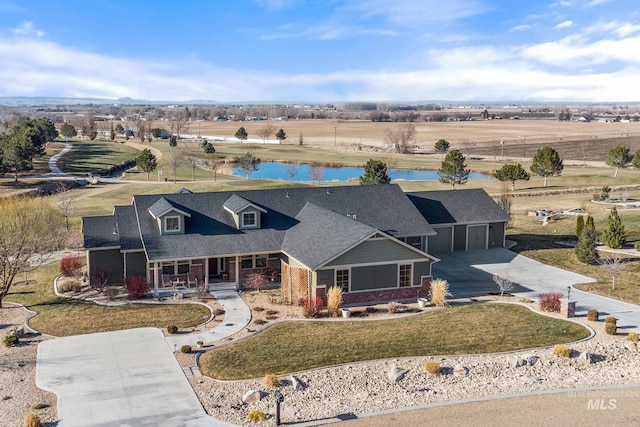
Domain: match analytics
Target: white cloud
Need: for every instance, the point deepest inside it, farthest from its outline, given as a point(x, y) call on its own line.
point(26, 29)
point(560, 4)
point(520, 27)
point(597, 2)
point(564, 24)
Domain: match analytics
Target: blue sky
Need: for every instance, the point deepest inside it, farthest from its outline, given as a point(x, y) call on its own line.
point(322, 51)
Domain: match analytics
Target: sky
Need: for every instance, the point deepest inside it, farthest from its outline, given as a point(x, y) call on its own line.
point(322, 51)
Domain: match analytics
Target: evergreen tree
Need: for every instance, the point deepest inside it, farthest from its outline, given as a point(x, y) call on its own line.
point(442, 146)
point(68, 130)
point(512, 172)
point(546, 162)
point(613, 235)
point(281, 135)
point(586, 251)
point(579, 226)
point(619, 157)
point(375, 172)
point(242, 134)
point(173, 141)
point(146, 162)
point(453, 169)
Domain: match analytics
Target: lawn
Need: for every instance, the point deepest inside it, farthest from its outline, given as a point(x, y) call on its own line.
point(479, 328)
point(63, 317)
point(88, 156)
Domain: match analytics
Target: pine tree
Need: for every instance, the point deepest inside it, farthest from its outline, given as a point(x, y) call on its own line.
point(454, 169)
point(613, 235)
point(586, 247)
point(546, 162)
point(375, 172)
point(579, 226)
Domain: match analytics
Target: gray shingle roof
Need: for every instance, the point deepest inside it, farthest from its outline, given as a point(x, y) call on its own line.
point(128, 233)
point(321, 235)
point(457, 206)
point(100, 232)
point(236, 204)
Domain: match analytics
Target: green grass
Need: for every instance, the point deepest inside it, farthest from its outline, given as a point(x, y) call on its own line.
point(88, 156)
point(295, 346)
point(63, 317)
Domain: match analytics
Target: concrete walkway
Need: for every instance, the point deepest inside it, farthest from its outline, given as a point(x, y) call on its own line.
point(237, 315)
point(53, 161)
point(471, 273)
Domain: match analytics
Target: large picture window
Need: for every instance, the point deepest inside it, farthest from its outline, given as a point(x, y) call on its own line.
point(405, 275)
point(342, 280)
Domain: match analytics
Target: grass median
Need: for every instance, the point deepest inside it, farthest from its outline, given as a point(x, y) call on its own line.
point(63, 317)
point(479, 328)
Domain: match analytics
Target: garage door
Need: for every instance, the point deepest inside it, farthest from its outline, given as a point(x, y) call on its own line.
point(477, 237)
point(441, 242)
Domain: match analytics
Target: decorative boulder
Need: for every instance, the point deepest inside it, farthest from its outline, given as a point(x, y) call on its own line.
point(585, 358)
point(517, 361)
point(252, 396)
point(631, 346)
point(396, 374)
point(297, 383)
point(529, 379)
point(460, 371)
point(531, 359)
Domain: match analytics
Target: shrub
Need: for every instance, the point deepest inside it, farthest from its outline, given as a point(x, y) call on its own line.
point(371, 310)
point(218, 312)
point(632, 336)
point(11, 338)
point(433, 367)
point(76, 286)
point(39, 405)
point(32, 420)
point(311, 307)
point(271, 380)
point(256, 415)
point(136, 287)
point(636, 246)
point(393, 307)
point(71, 265)
point(562, 350)
point(99, 277)
point(611, 319)
point(593, 315)
point(111, 292)
point(258, 308)
point(440, 292)
point(271, 312)
point(271, 317)
point(550, 302)
point(172, 329)
point(259, 321)
point(186, 349)
point(610, 328)
point(255, 282)
point(334, 300)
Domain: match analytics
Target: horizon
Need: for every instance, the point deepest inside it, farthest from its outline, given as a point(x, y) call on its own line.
point(290, 51)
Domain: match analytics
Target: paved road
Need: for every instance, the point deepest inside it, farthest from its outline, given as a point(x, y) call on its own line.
point(470, 273)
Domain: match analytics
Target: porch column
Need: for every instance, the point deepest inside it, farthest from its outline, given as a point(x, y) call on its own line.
point(155, 279)
point(124, 270)
point(237, 278)
point(206, 271)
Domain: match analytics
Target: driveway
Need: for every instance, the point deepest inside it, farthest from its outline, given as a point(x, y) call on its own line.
point(470, 273)
point(115, 379)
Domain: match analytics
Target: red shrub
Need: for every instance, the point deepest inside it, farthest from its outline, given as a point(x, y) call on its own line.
point(255, 282)
point(550, 302)
point(311, 307)
point(71, 265)
point(136, 287)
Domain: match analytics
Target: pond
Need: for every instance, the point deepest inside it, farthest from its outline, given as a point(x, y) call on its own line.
point(302, 172)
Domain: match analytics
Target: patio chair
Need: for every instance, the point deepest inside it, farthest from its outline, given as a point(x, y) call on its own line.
point(166, 281)
point(192, 280)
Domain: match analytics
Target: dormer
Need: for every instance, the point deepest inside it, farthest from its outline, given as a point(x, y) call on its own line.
point(246, 215)
point(170, 219)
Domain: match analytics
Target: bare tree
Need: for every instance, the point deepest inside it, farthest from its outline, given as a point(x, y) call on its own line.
point(504, 282)
point(174, 159)
point(402, 138)
point(215, 165)
point(65, 199)
point(177, 123)
point(291, 170)
point(316, 172)
point(266, 131)
point(615, 266)
point(141, 130)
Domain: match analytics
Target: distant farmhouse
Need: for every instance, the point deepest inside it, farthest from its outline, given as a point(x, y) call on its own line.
point(373, 241)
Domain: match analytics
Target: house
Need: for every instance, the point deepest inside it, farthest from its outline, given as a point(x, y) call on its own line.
point(369, 240)
point(462, 219)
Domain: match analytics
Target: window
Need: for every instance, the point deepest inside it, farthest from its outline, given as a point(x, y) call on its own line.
point(249, 219)
point(342, 280)
point(261, 261)
point(246, 261)
point(172, 223)
point(183, 267)
point(415, 241)
point(405, 275)
point(168, 268)
point(253, 261)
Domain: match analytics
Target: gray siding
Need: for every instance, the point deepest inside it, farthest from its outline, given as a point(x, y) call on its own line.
point(111, 259)
point(460, 238)
point(477, 237)
point(378, 250)
point(136, 264)
point(420, 269)
point(496, 235)
point(374, 277)
point(441, 242)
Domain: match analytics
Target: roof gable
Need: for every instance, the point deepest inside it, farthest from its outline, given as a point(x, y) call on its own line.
point(236, 204)
point(163, 207)
point(457, 206)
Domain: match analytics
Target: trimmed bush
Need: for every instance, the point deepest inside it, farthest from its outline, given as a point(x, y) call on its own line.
point(632, 336)
point(259, 321)
point(256, 415)
point(271, 317)
point(562, 350)
point(393, 307)
point(172, 329)
point(218, 312)
point(39, 405)
point(440, 292)
point(610, 328)
point(11, 338)
point(550, 302)
point(311, 307)
point(334, 301)
point(433, 367)
point(186, 349)
point(258, 308)
point(271, 312)
point(271, 380)
point(593, 315)
point(136, 287)
point(611, 319)
point(111, 292)
point(71, 265)
point(32, 420)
